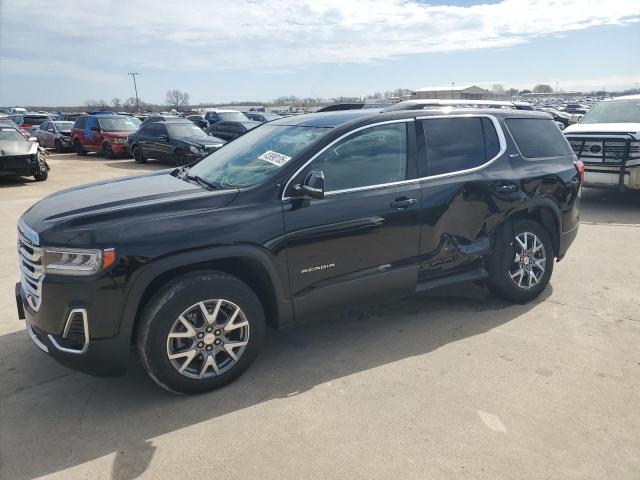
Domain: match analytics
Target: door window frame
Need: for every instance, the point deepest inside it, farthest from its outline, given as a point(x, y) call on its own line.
point(496, 124)
point(410, 140)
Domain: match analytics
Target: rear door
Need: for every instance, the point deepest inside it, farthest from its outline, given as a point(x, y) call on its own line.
point(459, 208)
point(361, 240)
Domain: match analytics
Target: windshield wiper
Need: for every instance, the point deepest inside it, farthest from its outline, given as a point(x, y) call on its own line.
point(204, 183)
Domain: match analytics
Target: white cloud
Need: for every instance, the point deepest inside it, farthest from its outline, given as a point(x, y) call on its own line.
point(205, 35)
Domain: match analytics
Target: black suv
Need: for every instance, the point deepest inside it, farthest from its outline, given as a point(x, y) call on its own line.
point(298, 217)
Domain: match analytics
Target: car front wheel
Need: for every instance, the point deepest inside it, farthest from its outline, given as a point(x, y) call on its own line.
point(527, 264)
point(201, 331)
point(77, 146)
point(138, 156)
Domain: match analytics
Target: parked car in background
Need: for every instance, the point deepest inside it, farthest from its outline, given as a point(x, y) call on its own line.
point(198, 120)
point(607, 140)
point(230, 130)
point(177, 140)
point(159, 118)
point(9, 119)
point(70, 116)
point(19, 156)
point(31, 121)
point(215, 115)
point(262, 117)
point(102, 132)
point(55, 134)
point(297, 219)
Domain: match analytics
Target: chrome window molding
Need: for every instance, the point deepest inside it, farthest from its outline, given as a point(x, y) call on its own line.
point(501, 140)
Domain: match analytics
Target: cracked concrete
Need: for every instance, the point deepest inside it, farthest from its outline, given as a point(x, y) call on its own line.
point(454, 384)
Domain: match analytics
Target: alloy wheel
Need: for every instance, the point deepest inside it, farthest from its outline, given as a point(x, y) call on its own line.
point(208, 338)
point(529, 262)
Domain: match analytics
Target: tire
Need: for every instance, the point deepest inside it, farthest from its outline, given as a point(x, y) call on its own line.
point(182, 298)
point(179, 157)
point(59, 147)
point(80, 151)
point(138, 156)
point(512, 275)
point(107, 151)
point(41, 171)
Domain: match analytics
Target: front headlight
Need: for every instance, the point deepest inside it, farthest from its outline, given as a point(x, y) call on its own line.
point(120, 141)
point(194, 149)
point(63, 261)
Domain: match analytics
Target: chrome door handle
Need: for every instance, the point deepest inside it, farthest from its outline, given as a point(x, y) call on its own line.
point(403, 202)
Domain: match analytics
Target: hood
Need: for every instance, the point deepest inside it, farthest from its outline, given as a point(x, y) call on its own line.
point(11, 148)
point(203, 141)
point(632, 129)
point(127, 200)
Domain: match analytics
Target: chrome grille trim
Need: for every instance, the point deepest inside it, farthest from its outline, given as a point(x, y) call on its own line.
point(31, 269)
point(85, 327)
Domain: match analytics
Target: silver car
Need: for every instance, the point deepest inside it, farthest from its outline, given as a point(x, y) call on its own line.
point(55, 134)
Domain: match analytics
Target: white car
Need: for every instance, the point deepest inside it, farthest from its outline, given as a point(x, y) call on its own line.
point(607, 140)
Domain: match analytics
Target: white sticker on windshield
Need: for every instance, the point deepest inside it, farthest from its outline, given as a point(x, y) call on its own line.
point(274, 158)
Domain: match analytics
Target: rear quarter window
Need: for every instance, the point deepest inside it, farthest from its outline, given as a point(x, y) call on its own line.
point(538, 137)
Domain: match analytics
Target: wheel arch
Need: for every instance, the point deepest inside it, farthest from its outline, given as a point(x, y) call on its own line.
point(250, 264)
point(547, 214)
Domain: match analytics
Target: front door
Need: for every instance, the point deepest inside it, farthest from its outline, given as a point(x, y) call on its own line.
point(361, 240)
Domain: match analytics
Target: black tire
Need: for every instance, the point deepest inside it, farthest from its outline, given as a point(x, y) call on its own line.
point(79, 149)
point(170, 302)
point(107, 151)
point(59, 147)
point(138, 156)
point(40, 171)
point(501, 282)
point(179, 157)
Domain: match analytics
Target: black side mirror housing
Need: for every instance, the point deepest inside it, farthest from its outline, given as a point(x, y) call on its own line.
point(313, 185)
point(163, 137)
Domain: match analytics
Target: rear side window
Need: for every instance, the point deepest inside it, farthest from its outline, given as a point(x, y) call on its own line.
point(454, 144)
point(538, 137)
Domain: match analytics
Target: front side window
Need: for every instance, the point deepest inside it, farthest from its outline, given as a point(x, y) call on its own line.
point(372, 156)
point(454, 144)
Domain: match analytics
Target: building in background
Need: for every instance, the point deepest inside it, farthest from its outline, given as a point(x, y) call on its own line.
point(454, 92)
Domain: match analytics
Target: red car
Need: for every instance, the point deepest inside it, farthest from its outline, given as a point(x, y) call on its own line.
point(103, 132)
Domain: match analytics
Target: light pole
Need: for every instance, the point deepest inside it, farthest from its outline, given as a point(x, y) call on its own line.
point(453, 84)
point(135, 87)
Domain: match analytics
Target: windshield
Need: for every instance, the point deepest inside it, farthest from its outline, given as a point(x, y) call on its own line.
point(616, 111)
point(256, 155)
point(185, 130)
point(232, 117)
point(117, 124)
point(64, 125)
point(11, 135)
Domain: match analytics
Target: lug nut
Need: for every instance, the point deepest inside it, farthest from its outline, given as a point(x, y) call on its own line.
point(200, 335)
point(209, 329)
point(217, 341)
point(200, 344)
point(209, 348)
point(217, 332)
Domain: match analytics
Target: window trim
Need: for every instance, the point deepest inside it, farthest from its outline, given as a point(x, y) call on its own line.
point(501, 139)
point(348, 134)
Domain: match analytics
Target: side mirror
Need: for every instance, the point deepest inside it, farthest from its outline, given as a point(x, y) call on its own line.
point(163, 137)
point(313, 185)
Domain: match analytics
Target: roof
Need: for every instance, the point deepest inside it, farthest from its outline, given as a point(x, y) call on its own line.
point(625, 97)
point(428, 102)
point(449, 88)
point(324, 119)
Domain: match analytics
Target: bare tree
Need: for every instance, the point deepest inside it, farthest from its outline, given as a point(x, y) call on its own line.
point(498, 89)
point(130, 104)
point(177, 99)
point(115, 101)
point(542, 88)
point(511, 92)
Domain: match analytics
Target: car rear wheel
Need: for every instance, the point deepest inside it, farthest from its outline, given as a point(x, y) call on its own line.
point(199, 332)
point(138, 156)
point(77, 146)
point(526, 266)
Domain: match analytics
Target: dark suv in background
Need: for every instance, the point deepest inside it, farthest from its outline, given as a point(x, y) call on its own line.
point(297, 218)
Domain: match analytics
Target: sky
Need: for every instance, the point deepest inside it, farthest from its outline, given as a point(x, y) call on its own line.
point(65, 52)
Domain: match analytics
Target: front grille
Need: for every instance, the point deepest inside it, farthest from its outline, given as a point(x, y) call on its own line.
point(31, 269)
point(612, 151)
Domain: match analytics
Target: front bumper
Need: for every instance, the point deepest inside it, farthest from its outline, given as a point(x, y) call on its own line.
point(21, 165)
point(606, 176)
point(119, 148)
point(50, 327)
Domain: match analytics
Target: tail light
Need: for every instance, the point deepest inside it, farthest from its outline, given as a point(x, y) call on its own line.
point(579, 164)
point(26, 125)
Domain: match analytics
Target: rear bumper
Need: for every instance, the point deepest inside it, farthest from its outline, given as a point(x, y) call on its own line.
point(566, 239)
